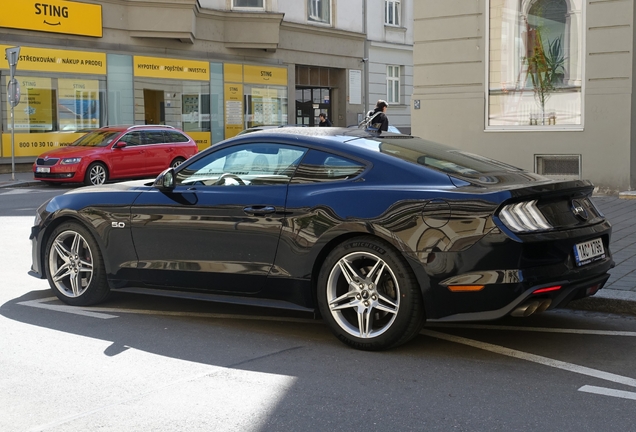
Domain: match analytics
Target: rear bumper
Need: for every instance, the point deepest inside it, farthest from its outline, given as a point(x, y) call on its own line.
point(570, 290)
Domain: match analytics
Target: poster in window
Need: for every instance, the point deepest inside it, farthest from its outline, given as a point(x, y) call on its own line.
point(78, 106)
point(34, 113)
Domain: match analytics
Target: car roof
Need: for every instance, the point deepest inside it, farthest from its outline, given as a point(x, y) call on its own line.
point(126, 127)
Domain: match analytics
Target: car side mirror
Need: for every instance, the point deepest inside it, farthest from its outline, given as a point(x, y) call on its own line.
point(166, 180)
point(120, 144)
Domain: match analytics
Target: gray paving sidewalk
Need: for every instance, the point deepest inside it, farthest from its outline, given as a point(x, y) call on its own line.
point(618, 295)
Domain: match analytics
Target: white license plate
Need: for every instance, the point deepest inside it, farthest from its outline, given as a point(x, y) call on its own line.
point(43, 169)
point(589, 251)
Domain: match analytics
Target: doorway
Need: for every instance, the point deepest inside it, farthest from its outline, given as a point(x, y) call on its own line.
point(154, 107)
point(310, 102)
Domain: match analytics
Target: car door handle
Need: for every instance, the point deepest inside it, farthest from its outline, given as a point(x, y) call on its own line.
point(259, 210)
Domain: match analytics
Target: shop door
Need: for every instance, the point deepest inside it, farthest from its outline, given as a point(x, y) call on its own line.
point(154, 107)
point(310, 102)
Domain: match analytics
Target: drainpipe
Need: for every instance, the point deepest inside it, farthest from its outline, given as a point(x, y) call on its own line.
point(365, 64)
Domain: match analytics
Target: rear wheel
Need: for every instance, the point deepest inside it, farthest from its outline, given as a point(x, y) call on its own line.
point(75, 268)
point(368, 295)
point(96, 174)
point(176, 162)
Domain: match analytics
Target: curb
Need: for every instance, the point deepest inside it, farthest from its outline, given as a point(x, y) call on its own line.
point(18, 184)
point(607, 301)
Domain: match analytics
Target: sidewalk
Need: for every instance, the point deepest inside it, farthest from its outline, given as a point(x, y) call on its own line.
point(618, 295)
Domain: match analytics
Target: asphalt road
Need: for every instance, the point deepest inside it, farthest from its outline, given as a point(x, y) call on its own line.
point(138, 362)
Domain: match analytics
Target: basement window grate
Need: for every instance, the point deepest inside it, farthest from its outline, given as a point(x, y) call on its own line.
point(566, 167)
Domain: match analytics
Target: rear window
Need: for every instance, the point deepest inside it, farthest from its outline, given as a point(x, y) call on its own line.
point(176, 137)
point(96, 139)
point(438, 157)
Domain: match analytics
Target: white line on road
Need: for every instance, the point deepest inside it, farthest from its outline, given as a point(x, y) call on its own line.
point(608, 392)
point(536, 329)
point(63, 308)
point(570, 367)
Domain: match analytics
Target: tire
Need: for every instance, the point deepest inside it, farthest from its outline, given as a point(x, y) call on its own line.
point(96, 174)
point(365, 283)
point(74, 266)
point(176, 162)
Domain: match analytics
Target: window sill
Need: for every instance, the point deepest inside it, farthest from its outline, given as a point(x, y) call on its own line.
point(577, 128)
point(397, 29)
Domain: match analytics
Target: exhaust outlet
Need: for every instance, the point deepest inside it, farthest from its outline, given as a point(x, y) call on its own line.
point(543, 306)
point(526, 309)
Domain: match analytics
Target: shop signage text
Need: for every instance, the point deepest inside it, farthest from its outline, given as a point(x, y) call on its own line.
point(63, 61)
point(52, 16)
point(159, 67)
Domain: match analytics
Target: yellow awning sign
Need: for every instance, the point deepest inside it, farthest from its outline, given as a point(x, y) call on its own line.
point(52, 60)
point(52, 16)
point(159, 67)
point(264, 75)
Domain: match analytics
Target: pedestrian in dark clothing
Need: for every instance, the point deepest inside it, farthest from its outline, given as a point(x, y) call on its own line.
point(324, 121)
point(379, 119)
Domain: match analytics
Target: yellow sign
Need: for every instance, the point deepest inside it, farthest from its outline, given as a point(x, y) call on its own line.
point(265, 75)
point(159, 67)
point(35, 144)
point(52, 16)
point(203, 139)
point(50, 60)
point(35, 110)
point(78, 103)
point(233, 109)
point(265, 93)
point(232, 72)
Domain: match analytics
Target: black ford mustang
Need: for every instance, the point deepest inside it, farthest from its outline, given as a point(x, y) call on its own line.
point(377, 232)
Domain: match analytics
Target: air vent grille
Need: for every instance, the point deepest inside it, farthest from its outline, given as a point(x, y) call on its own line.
point(565, 167)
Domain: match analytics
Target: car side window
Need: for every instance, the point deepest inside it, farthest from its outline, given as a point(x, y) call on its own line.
point(243, 165)
point(175, 137)
point(132, 138)
point(154, 137)
point(320, 166)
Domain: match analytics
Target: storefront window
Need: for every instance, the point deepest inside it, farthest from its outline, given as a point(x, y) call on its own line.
point(57, 104)
point(535, 64)
point(265, 105)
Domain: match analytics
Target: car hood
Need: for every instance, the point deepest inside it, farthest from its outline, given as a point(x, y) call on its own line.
point(129, 186)
point(72, 151)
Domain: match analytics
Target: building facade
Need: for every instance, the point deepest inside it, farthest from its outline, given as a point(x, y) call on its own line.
point(209, 67)
point(388, 58)
point(545, 85)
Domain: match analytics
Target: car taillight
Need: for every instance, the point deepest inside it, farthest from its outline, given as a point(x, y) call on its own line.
point(524, 217)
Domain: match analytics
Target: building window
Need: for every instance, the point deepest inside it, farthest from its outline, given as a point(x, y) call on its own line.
point(392, 13)
point(320, 11)
point(247, 4)
point(393, 84)
point(535, 64)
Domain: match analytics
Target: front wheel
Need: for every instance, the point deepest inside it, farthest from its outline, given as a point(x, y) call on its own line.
point(96, 174)
point(368, 295)
point(75, 268)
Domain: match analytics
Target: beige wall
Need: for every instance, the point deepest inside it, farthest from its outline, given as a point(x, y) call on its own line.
point(450, 81)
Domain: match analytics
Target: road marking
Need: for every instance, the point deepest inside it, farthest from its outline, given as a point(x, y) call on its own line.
point(101, 312)
point(608, 392)
point(536, 329)
point(570, 367)
point(64, 308)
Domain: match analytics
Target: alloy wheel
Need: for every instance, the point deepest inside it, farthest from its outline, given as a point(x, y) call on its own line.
point(97, 175)
point(71, 264)
point(363, 295)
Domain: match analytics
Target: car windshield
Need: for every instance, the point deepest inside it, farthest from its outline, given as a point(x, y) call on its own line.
point(439, 157)
point(96, 139)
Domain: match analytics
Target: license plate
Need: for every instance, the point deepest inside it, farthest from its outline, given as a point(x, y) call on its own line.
point(589, 251)
point(43, 169)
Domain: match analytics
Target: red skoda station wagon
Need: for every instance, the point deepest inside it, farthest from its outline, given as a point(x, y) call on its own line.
point(116, 152)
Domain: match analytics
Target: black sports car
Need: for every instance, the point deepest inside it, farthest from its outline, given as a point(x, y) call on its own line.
point(376, 232)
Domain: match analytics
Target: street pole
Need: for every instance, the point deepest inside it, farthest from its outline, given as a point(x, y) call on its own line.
point(13, 94)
